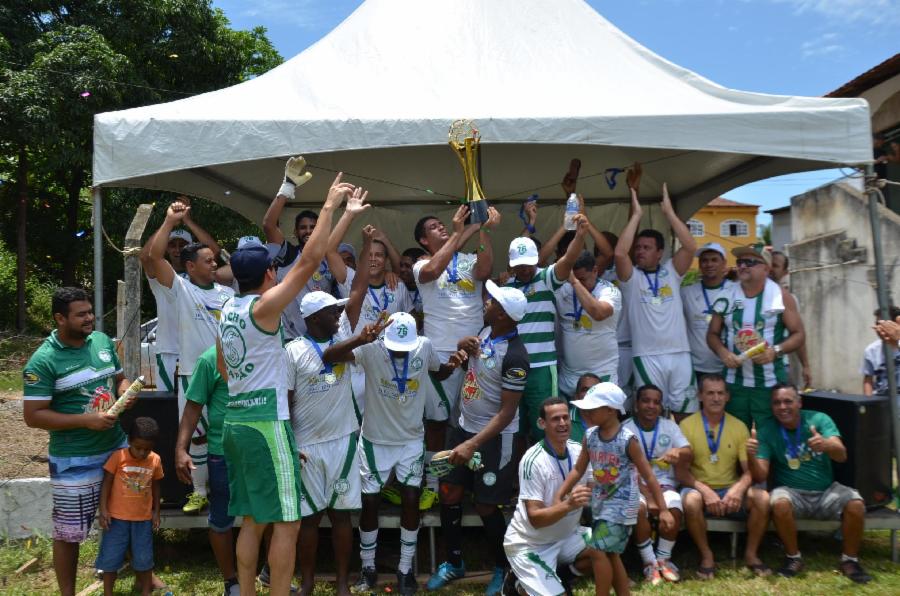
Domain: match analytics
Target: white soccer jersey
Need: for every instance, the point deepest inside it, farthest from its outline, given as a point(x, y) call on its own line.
point(378, 299)
point(391, 417)
point(166, 318)
point(653, 302)
point(541, 474)
point(287, 255)
point(453, 309)
point(669, 436)
point(198, 311)
point(588, 345)
point(322, 404)
point(697, 301)
point(623, 330)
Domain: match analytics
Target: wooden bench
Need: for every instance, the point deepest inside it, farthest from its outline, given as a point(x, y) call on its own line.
point(389, 517)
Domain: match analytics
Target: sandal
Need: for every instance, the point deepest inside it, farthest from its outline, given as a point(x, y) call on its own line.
point(759, 569)
point(706, 573)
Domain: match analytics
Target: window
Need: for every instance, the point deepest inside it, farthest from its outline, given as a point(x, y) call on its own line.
point(734, 227)
point(696, 227)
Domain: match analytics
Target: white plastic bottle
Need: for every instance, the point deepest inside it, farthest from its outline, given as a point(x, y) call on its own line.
point(571, 211)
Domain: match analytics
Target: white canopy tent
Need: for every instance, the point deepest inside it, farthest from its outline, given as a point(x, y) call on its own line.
point(545, 82)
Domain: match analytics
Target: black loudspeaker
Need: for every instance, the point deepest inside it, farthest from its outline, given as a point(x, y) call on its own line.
point(865, 425)
point(162, 406)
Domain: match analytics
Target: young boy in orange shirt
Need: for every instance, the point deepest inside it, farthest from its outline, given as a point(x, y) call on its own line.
point(129, 506)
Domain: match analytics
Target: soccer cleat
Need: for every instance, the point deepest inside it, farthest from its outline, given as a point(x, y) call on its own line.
point(427, 499)
point(496, 586)
point(791, 568)
point(445, 574)
point(195, 504)
point(406, 583)
point(853, 571)
point(668, 570)
point(368, 581)
point(652, 575)
point(391, 495)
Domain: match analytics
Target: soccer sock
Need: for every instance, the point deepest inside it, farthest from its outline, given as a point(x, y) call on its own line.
point(664, 549)
point(797, 556)
point(407, 549)
point(431, 481)
point(849, 558)
point(199, 475)
point(494, 529)
point(574, 570)
point(646, 550)
point(451, 525)
point(368, 542)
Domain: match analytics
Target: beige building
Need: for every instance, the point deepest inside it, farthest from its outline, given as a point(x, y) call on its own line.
point(727, 222)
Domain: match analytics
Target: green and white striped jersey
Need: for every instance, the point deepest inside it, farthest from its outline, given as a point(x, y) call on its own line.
point(538, 328)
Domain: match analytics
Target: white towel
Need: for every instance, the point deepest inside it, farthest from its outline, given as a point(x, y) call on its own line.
point(772, 298)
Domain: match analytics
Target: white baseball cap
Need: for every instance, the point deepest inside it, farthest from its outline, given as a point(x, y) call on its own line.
point(713, 246)
point(523, 251)
point(400, 335)
point(512, 300)
point(246, 241)
point(602, 394)
point(316, 301)
point(182, 234)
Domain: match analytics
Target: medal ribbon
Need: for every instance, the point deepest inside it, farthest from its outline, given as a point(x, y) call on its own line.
point(401, 381)
point(556, 458)
point(708, 310)
point(326, 368)
point(713, 447)
point(452, 272)
point(654, 285)
point(793, 446)
point(487, 344)
point(384, 296)
point(577, 308)
point(649, 452)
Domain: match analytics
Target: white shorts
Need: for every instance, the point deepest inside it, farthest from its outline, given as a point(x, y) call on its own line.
point(358, 384)
point(442, 401)
point(330, 476)
point(535, 567)
point(203, 422)
point(671, 497)
point(674, 374)
point(163, 370)
point(377, 461)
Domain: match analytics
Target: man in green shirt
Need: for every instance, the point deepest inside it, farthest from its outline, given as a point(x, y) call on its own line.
point(800, 445)
point(208, 388)
point(70, 382)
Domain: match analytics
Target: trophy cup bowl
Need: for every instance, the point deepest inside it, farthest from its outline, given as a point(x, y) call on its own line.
point(464, 139)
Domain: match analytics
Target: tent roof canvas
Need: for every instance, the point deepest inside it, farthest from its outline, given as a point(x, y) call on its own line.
point(544, 81)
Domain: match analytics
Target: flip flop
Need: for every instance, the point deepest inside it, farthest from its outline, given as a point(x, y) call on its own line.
point(706, 573)
point(760, 569)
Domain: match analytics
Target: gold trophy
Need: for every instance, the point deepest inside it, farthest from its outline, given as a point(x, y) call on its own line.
point(464, 139)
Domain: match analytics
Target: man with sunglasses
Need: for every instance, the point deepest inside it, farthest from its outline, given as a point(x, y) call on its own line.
point(757, 311)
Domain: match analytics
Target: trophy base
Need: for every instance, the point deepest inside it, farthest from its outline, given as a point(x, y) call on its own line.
point(478, 211)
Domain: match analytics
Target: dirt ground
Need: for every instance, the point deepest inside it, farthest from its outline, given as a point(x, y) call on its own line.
point(23, 450)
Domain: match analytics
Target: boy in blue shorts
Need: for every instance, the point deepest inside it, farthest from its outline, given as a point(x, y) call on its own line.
point(129, 506)
point(616, 458)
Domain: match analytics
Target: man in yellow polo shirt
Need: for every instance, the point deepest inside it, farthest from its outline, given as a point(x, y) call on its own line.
point(716, 477)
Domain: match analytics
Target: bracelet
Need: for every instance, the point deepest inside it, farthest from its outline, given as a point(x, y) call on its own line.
point(531, 229)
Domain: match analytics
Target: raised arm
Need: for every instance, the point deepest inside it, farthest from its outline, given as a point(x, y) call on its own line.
point(684, 256)
point(267, 310)
point(596, 309)
point(294, 176)
point(360, 284)
point(484, 262)
point(624, 266)
point(392, 254)
point(201, 235)
point(438, 262)
point(356, 204)
point(563, 267)
point(175, 214)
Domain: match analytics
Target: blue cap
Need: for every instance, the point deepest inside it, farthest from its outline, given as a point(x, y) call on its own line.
point(347, 247)
point(250, 263)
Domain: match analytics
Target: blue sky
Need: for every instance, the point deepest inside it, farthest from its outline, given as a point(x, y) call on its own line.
point(791, 47)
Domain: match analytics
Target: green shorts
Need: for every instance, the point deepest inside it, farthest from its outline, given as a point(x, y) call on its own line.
point(749, 404)
point(263, 471)
point(540, 385)
point(609, 537)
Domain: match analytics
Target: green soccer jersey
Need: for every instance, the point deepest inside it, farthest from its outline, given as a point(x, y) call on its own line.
point(538, 327)
point(76, 381)
point(208, 388)
point(814, 471)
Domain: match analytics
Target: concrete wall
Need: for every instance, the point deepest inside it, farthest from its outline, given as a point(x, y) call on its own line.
point(25, 508)
point(832, 275)
point(781, 229)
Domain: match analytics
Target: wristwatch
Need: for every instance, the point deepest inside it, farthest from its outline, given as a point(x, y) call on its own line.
point(778, 350)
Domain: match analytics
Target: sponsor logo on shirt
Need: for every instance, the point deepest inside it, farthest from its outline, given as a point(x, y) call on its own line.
point(30, 378)
point(514, 374)
point(105, 355)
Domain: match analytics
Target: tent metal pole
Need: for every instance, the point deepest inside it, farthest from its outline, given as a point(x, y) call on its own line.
point(98, 258)
point(883, 306)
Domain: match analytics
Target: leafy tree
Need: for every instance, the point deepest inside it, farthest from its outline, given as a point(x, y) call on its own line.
point(62, 62)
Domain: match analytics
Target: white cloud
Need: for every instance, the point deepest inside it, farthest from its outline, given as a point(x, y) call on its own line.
point(825, 44)
point(872, 12)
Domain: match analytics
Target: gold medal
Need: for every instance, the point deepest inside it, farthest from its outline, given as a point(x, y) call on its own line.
point(661, 464)
point(793, 463)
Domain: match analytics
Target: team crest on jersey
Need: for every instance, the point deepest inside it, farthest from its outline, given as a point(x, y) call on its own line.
point(664, 440)
point(30, 378)
point(470, 389)
point(105, 355)
point(416, 468)
point(234, 349)
point(416, 363)
point(489, 479)
point(341, 486)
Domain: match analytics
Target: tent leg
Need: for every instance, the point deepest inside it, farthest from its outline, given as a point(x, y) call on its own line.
point(883, 305)
point(98, 259)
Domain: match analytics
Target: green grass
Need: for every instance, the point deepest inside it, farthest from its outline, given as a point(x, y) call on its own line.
point(14, 352)
point(185, 562)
